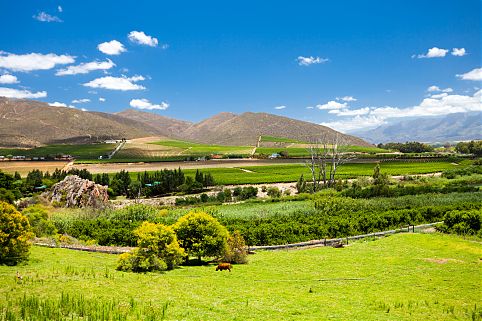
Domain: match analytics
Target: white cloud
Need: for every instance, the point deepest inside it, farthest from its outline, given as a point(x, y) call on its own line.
point(346, 98)
point(113, 47)
point(310, 107)
point(146, 104)
point(437, 89)
point(85, 68)
point(101, 99)
point(81, 101)
point(280, 107)
point(475, 74)
point(17, 93)
point(434, 53)
point(59, 9)
point(140, 38)
point(436, 105)
point(58, 104)
point(8, 79)
point(33, 61)
point(116, 83)
point(458, 52)
point(306, 61)
point(332, 105)
point(45, 17)
point(355, 123)
point(347, 112)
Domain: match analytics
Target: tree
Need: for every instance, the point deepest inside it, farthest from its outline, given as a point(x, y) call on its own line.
point(201, 235)
point(15, 234)
point(326, 156)
point(34, 178)
point(301, 185)
point(120, 183)
point(236, 250)
point(158, 250)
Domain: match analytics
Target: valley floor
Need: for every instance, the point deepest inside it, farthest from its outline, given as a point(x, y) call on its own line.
point(401, 277)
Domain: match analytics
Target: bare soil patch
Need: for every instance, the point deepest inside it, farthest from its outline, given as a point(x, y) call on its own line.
point(23, 167)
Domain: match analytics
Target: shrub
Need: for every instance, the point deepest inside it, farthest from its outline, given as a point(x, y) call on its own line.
point(236, 250)
point(38, 218)
point(273, 192)
point(463, 222)
point(201, 235)
point(15, 234)
point(158, 250)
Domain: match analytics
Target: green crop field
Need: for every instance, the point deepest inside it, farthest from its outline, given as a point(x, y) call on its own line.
point(205, 149)
point(291, 173)
point(81, 152)
point(401, 277)
point(280, 140)
point(297, 151)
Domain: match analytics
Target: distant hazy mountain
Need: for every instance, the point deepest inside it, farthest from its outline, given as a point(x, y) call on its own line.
point(27, 123)
point(453, 127)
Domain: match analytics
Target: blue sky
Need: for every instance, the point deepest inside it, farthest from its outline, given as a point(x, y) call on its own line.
point(347, 64)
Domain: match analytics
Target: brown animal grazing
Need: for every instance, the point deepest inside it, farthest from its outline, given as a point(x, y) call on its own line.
point(223, 266)
point(19, 277)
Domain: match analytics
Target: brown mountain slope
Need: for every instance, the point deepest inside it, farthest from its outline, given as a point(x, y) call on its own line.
point(164, 126)
point(244, 129)
point(27, 123)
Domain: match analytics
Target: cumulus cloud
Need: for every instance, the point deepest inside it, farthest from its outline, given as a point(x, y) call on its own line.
point(33, 61)
point(434, 53)
point(306, 61)
point(101, 99)
point(458, 52)
point(436, 105)
point(19, 93)
point(355, 123)
point(347, 112)
point(45, 17)
point(438, 89)
point(59, 104)
point(59, 9)
point(116, 83)
point(346, 98)
point(332, 105)
point(146, 104)
point(81, 101)
point(140, 38)
point(280, 107)
point(112, 47)
point(475, 74)
point(85, 68)
point(8, 79)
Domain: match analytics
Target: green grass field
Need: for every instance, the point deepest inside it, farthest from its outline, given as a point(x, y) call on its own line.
point(81, 152)
point(280, 140)
point(303, 151)
point(191, 148)
point(291, 173)
point(401, 277)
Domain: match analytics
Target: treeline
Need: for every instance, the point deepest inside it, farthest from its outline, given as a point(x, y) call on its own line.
point(472, 147)
point(408, 147)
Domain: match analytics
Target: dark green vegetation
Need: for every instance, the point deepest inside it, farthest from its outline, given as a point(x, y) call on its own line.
point(80, 152)
point(408, 147)
point(472, 147)
point(401, 277)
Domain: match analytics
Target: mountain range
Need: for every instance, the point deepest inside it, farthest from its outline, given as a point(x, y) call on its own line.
point(449, 128)
point(29, 123)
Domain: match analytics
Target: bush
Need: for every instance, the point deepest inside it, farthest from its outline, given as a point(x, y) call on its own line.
point(201, 235)
point(38, 218)
point(465, 222)
point(15, 234)
point(273, 192)
point(158, 250)
point(236, 250)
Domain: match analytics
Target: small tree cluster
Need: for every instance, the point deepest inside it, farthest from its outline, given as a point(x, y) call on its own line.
point(408, 147)
point(472, 147)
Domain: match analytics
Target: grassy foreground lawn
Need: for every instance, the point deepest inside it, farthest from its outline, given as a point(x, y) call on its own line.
point(402, 277)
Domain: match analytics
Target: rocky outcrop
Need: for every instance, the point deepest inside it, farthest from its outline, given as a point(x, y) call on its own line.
point(74, 191)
